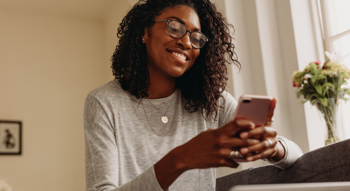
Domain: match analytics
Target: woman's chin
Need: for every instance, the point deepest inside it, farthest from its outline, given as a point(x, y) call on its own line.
point(177, 73)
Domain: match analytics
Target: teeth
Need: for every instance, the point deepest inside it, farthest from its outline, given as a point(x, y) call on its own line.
point(183, 57)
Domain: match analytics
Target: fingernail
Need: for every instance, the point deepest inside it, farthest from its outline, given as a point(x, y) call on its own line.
point(242, 122)
point(249, 158)
point(244, 151)
point(244, 135)
point(252, 141)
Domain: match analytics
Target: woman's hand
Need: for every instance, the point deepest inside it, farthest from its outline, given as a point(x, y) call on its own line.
point(209, 149)
point(212, 148)
point(269, 147)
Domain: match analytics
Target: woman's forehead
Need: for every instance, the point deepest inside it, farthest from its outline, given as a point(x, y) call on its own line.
point(182, 13)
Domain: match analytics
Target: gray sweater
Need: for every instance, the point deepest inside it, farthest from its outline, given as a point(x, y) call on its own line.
point(125, 137)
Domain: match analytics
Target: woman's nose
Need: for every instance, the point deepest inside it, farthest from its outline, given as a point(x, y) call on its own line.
point(185, 41)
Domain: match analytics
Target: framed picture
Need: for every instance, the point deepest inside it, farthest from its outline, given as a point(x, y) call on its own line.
point(10, 137)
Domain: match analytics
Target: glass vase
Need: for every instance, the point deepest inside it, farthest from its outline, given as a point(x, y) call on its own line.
point(329, 114)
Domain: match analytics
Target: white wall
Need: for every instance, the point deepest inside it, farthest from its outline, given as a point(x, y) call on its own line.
point(111, 23)
point(48, 64)
point(308, 46)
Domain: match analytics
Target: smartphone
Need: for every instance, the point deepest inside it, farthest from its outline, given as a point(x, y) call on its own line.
point(254, 108)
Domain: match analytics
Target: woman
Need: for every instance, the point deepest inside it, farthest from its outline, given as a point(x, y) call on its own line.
point(165, 120)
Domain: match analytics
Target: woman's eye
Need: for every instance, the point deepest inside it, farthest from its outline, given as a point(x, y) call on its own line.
point(195, 40)
point(175, 30)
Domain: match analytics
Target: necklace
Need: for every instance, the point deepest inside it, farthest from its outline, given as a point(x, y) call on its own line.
point(164, 119)
point(161, 118)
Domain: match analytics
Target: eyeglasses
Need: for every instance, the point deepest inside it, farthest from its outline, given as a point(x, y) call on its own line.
point(178, 30)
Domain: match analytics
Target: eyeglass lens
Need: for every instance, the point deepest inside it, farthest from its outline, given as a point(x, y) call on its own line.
point(177, 30)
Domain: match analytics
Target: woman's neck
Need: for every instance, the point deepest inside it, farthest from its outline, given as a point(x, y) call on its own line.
point(161, 86)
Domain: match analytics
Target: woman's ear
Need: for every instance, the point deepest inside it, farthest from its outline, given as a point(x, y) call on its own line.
point(145, 36)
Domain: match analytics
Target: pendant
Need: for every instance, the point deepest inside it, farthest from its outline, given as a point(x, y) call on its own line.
point(164, 119)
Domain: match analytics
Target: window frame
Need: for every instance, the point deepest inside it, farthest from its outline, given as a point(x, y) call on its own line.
point(324, 20)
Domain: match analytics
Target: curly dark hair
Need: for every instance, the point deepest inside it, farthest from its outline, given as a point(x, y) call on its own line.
point(203, 84)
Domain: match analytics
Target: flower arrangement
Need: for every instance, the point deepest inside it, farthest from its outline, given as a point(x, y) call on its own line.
point(323, 86)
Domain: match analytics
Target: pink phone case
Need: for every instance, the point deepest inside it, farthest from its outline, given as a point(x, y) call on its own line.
point(254, 108)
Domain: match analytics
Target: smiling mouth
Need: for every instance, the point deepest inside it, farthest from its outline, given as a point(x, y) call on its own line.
point(179, 55)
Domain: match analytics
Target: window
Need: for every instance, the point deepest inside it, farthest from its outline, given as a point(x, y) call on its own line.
point(336, 26)
point(335, 23)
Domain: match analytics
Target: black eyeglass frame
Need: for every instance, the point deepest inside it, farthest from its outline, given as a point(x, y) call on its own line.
point(187, 31)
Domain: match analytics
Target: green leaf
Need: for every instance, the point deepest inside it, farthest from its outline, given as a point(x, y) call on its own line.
point(318, 71)
point(321, 77)
point(299, 74)
point(319, 89)
point(332, 88)
point(347, 91)
point(298, 94)
point(304, 101)
point(313, 68)
point(313, 79)
point(343, 98)
point(316, 96)
point(324, 101)
point(340, 81)
point(327, 85)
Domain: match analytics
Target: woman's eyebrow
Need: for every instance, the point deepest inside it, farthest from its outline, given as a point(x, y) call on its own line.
point(182, 22)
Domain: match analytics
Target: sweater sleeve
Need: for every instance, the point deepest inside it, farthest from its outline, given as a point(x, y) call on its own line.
point(292, 154)
point(101, 153)
point(228, 106)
